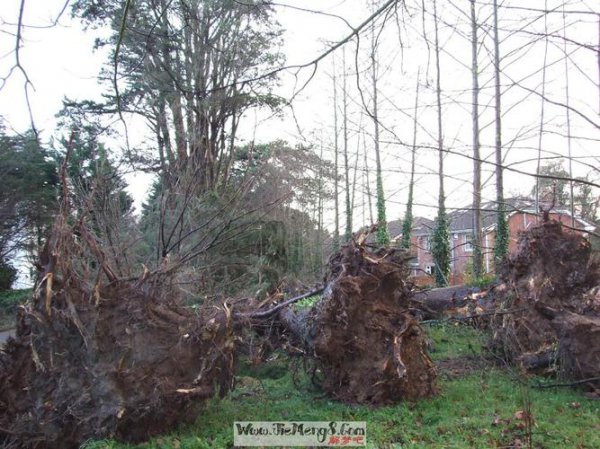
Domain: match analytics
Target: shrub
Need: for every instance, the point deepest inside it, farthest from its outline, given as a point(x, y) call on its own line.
point(9, 300)
point(8, 275)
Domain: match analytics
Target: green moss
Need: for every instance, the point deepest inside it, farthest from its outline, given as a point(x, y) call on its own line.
point(307, 303)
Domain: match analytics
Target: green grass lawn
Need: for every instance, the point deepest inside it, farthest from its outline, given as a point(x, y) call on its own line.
point(480, 405)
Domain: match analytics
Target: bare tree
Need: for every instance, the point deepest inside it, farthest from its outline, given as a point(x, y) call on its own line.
point(368, 183)
point(336, 231)
point(477, 222)
point(501, 246)
point(383, 236)
point(408, 215)
point(348, 233)
point(440, 245)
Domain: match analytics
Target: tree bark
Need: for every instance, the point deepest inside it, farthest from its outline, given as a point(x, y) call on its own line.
point(501, 246)
point(336, 232)
point(408, 216)
point(477, 223)
point(383, 237)
point(348, 233)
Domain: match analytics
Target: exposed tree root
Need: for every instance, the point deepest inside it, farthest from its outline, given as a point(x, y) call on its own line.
point(367, 345)
point(551, 280)
point(96, 357)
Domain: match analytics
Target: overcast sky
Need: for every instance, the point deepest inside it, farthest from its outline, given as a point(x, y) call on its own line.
point(60, 62)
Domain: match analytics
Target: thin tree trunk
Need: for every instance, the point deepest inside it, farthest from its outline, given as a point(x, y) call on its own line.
point(173, 95)
point(368, 185)
point(336, 232)
point(568, 112)
point(477, 224)
point(542, 111)
point(438, 93)
point(408, 216)
point(320, 216)
point(355, 171)
point(441, 244)
point(501, 246)
point(383, 237)
point(348, 233)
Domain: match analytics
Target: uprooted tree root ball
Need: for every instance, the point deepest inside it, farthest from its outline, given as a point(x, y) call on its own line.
point(579, 348)
point(367, 346)
point(551, 275)
point(106, 359)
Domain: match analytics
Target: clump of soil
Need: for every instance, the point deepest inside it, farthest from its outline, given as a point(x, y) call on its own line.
point(550, 275)
point(367, 346)
point(98, 357)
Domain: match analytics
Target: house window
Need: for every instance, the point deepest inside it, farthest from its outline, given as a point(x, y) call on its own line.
point(426, 243)
point(468, 244)
point(429, 268)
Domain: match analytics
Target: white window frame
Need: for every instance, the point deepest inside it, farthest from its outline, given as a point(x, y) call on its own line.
point(429, 269)
point(426, 245)
point(468, 244)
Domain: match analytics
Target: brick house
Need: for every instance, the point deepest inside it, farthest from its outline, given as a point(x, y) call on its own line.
point(520, 215)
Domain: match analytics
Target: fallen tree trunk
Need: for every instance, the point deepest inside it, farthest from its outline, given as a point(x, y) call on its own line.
point(445, 294)
point(456, 302)
point(434, 304)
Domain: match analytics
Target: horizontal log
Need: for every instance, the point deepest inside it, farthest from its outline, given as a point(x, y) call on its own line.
point(445, 294)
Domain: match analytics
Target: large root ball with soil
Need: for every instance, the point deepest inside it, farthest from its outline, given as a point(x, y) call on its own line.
point(552, 270)
point(579, 347)
point(368, 347)
point(107, 359)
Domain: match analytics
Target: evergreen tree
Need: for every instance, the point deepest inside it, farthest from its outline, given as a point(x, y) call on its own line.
point(191, 69)
point(27, 198)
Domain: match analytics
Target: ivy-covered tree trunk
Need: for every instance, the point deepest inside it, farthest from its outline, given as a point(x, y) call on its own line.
point(440, 247)
point(501, 246)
